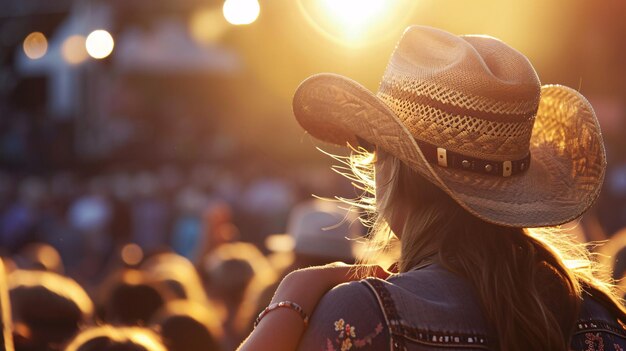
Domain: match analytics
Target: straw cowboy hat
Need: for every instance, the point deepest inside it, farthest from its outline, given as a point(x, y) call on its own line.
point(469, 114)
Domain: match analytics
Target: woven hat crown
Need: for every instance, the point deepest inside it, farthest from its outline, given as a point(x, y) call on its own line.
point(473, 95)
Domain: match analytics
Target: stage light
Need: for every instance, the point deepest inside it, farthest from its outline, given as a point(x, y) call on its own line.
point(35, 45)
point(99, 44)
point(239, 12)
point(73, 49)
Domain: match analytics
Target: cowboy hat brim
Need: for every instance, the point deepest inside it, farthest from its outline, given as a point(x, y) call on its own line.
point(562, 182)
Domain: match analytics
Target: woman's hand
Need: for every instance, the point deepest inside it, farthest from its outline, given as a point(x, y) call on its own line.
point(281, 328)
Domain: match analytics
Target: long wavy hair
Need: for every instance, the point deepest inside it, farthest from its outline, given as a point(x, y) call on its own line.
point(530, 281)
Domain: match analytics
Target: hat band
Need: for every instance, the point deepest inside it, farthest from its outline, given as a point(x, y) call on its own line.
point(451, 159)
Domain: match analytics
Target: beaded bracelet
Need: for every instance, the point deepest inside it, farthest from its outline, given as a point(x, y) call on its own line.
point(286, 304)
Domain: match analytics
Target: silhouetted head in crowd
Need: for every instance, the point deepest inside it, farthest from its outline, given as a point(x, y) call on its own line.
point(131, 298)
point(177, 274)
point(40, 256)
point(231, 268)
point(229, 278)
point(109, 338)
point(236, 274)
point(188, 326)
point(48, 309)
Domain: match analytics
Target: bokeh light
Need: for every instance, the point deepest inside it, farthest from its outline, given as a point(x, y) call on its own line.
point(207, 25)
point(73, 49)
point(240, 12)
point(35, 45)
point(99, 44)
point(132, 254)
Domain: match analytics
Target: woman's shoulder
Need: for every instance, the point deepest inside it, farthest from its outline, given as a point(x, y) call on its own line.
point(348, 317)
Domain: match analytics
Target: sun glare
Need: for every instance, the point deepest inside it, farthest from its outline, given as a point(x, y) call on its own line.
point(357, 22)
point(240, 12)
point(353, 14)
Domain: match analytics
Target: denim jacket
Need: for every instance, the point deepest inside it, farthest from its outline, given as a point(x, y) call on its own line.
point(430, 309)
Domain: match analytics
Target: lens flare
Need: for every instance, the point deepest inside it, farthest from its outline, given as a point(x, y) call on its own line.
point(35, 45)
point(240, 12)
point(73, 49)
point(99, 44)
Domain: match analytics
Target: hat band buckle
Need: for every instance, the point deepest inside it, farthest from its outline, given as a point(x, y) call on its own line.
point(451, 159)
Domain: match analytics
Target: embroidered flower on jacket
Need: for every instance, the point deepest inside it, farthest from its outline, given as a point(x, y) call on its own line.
point(594, 342)
point(339, 324)
point(347, 338)
point(346, 344)
point(350, 331)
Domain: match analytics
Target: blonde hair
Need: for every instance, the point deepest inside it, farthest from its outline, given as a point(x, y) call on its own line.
point(530, 281)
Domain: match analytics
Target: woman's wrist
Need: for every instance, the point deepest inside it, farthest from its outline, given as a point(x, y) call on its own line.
point(284, 304)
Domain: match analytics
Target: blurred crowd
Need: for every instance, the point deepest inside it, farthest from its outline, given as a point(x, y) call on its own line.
point(169, 258)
